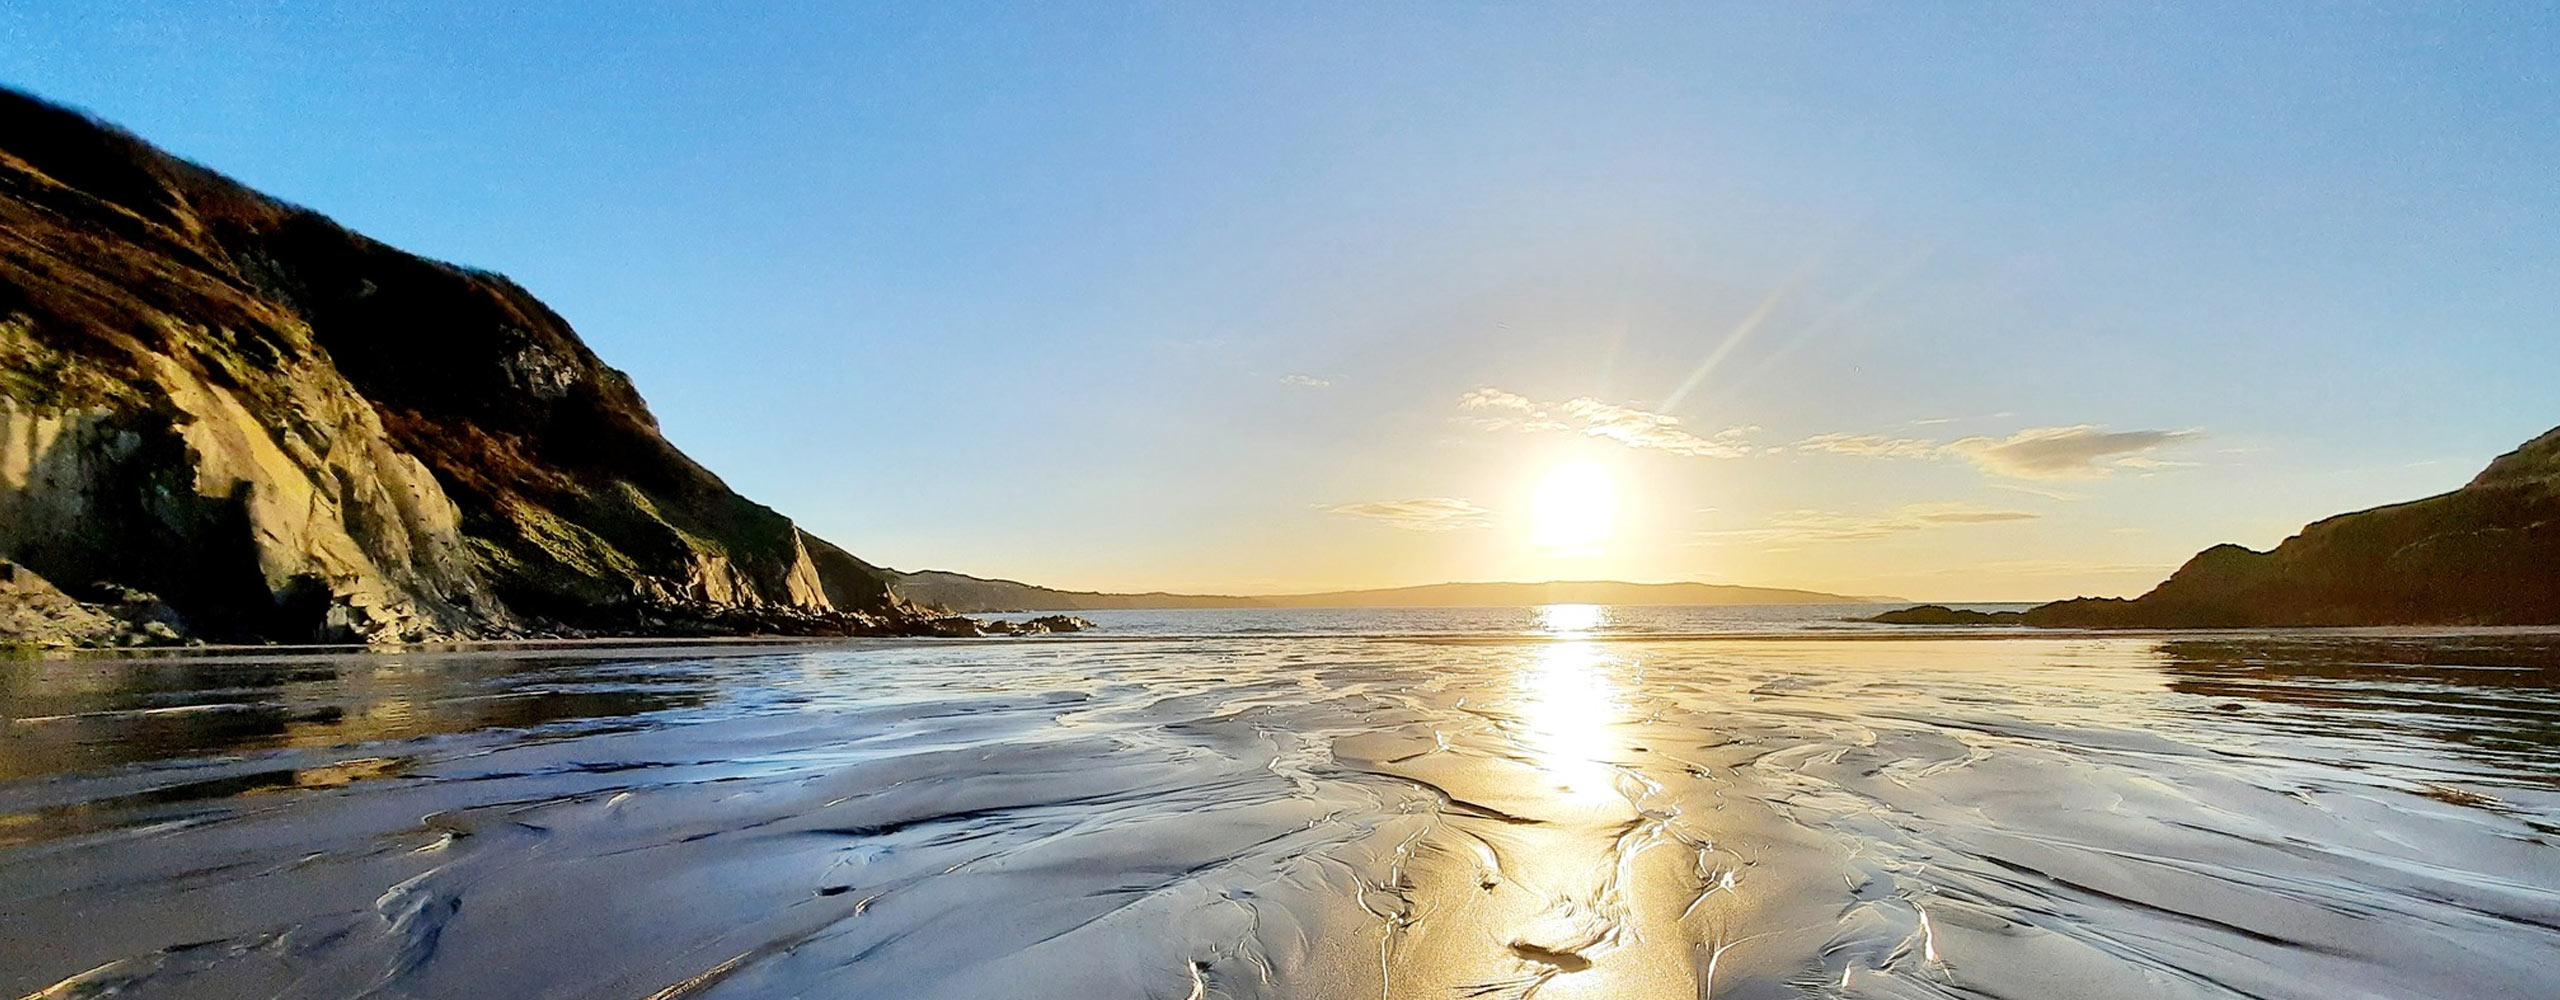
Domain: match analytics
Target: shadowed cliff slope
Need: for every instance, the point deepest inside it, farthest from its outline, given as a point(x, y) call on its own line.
point(2485, 554)
point(286, 430)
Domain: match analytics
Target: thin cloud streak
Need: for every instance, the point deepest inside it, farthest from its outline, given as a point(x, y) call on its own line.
point(1798, 526)
point(1424, 514)
point(2065, 496)
point(2078, 452)
point(2064, 452)
point(1870, 446)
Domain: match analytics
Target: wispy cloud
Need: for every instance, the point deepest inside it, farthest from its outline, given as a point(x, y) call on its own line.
point(1845, 526)
point(2037, 453)
point(1306, 381)
point(1425, 514)
point(1870, 446)
point(1495, 409)
point(1960, 512)
point(2147, 462)
point(1935, 421)
point(1490, 398)
point(2079, 452)
point(2065, 496)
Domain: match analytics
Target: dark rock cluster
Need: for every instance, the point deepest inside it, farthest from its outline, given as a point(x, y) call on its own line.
point(1940, 614)
point(35, 614)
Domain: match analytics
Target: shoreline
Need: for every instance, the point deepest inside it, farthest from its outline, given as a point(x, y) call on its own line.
point(217, 651)
point(677, 646)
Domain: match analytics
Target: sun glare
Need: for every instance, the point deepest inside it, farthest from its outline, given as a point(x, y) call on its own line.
point(1575, 509)
point(1568, 619)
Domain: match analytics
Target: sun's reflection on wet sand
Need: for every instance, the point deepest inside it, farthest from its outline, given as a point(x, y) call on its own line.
point(1569, 702)
point(1570, 699)
point(1547, 875)
point(1589, 846)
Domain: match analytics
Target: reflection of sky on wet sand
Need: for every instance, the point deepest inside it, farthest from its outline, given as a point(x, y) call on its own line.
point(1570, 813)
point(87, 713)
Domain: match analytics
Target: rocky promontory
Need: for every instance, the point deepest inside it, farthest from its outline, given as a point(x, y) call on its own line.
point(274, 429)
point(2485, 554)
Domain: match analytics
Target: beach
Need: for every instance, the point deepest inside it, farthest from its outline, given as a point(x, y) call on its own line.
point(1562, 802)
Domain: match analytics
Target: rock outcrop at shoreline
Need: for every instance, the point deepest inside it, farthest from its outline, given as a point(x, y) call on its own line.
point(1940, 614)
point(35, 613)
point(285, 431)
point(2485, 554)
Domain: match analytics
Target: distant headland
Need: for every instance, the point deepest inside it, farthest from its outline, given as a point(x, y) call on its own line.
point(966, 594)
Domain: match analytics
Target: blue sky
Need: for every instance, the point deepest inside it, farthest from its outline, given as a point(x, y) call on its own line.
point(1193, 295)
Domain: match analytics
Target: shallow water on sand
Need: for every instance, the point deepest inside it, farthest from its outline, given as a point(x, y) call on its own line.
point(1442, 813)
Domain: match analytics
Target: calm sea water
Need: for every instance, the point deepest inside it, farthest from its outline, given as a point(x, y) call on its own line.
point(1560, 619)
point(1560, 802)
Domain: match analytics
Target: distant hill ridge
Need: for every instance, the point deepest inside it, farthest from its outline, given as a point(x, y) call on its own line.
point(964, 594)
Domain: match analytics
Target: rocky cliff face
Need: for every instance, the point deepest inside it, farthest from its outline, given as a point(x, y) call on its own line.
point(288, 431)
point(2485, 554)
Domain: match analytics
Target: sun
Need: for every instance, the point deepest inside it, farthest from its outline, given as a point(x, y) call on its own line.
point(1575, 509)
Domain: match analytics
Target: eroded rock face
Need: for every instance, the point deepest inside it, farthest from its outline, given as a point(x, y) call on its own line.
point(292, 432)
point(314, 523)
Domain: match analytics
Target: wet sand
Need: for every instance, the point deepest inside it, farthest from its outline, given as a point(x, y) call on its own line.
point(1241, 816)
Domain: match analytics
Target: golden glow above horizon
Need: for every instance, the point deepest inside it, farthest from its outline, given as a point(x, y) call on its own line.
point(1575, 509)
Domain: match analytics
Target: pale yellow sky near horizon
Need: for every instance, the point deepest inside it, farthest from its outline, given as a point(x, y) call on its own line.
point(1684, 506)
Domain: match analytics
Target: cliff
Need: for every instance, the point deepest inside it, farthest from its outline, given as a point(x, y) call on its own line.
point(287, 431)
point(2485, 554)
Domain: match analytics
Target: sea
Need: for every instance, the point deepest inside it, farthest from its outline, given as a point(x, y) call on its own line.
point(1557, 802)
